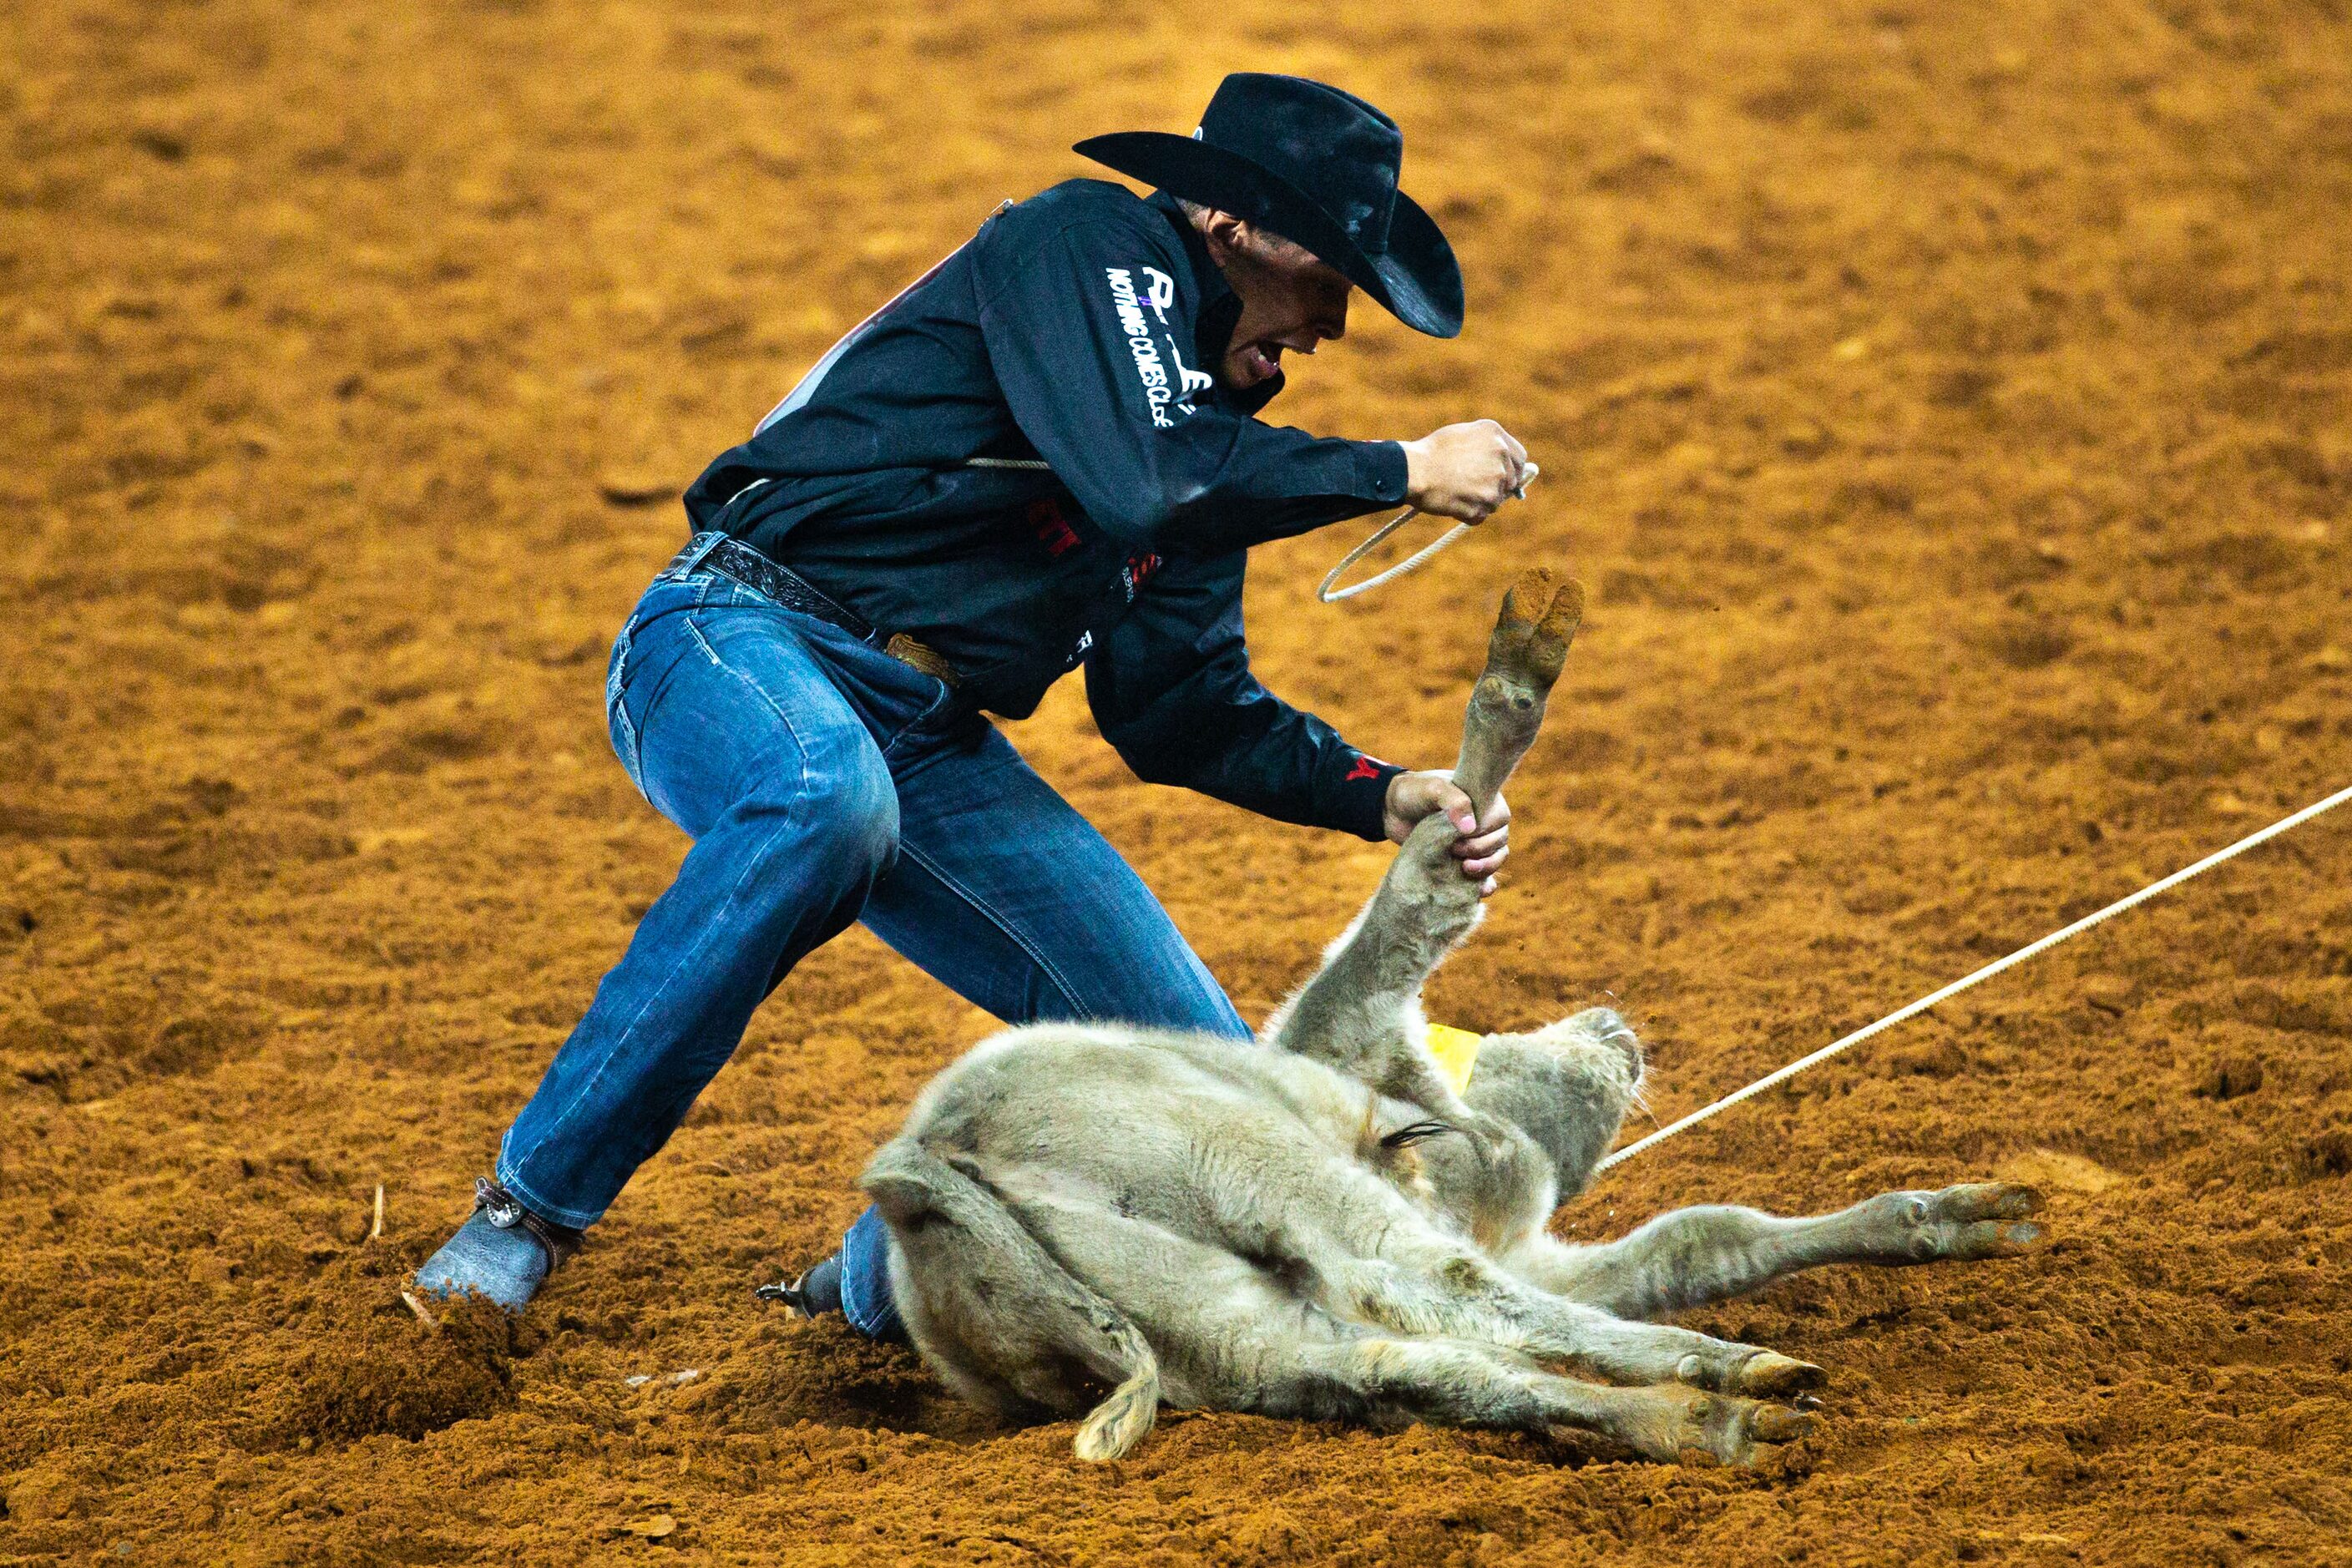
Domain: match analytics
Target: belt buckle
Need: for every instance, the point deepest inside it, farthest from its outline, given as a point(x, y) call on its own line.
point(908, 651)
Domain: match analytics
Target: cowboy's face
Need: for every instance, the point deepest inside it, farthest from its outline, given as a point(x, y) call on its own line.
point(1290, 300)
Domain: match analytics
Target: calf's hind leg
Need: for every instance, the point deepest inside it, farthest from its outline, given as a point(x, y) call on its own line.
point(995, 1315)
point(1234, 1335)
point(1694, 1256)
point(1363, 1251)
point(1452, 1384)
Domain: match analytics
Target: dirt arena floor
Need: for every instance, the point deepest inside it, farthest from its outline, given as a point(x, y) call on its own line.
point(1946, 405)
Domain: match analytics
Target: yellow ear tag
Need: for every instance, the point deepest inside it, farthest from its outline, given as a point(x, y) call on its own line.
point(1456, 1051)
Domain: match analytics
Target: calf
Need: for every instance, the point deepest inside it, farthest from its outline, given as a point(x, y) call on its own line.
point(1322, 1226)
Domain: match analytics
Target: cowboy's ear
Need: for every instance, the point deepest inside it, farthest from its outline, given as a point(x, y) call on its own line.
point(1227, 236)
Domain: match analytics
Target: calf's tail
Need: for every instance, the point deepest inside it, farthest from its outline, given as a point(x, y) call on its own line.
point(1015, 1308)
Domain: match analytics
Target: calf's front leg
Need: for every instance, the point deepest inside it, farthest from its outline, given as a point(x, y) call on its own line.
point(1695, 1255)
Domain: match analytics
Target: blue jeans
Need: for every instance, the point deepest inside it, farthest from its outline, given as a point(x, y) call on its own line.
point(825, 782)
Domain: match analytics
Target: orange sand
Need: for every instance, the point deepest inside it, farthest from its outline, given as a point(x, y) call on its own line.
point(1946, 405)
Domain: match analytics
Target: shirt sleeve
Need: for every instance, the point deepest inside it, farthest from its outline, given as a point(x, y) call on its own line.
point(1171, 691)
point(1086, 330)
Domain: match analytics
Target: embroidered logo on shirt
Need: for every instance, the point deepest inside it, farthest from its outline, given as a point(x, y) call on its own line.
point(1365, 768)
point(1053, 529)
point(1192, 379)
point(1154, 375)
point(1137, 572)
point(1160, 294)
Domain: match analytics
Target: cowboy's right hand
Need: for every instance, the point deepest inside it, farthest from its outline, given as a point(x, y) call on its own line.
point(1464, 471)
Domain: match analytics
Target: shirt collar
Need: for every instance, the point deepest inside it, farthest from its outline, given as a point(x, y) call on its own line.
point(1220, 308)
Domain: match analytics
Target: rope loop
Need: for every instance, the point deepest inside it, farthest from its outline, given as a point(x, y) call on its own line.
point(1328, 594)
point(1331, 596)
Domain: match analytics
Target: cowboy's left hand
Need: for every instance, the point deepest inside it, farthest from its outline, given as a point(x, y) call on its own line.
point(1483, 845)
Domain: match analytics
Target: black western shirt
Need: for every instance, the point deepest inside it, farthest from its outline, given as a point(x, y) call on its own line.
point(1076, 328)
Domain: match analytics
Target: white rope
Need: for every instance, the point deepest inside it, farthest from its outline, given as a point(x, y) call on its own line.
point(1414, 561)
point(1987, 971)
point(1330, 597)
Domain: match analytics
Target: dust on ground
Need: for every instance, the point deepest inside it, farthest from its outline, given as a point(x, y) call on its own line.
point(1946, 405)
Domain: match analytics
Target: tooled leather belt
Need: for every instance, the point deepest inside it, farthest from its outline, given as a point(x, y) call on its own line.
point(733, 558)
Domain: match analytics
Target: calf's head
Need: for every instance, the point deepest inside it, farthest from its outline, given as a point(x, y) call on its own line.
point(1567, 1086)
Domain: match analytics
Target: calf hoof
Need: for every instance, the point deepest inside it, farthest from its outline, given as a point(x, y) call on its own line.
point(1767, 1375)
point(1763, 1374)
point(1721, 1430)
point(1538, 620)
point(1965, 1224)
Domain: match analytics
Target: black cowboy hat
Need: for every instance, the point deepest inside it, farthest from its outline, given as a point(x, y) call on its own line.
point(1317, 166)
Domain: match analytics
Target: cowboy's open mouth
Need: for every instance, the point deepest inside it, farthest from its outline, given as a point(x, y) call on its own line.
point(1261, 359)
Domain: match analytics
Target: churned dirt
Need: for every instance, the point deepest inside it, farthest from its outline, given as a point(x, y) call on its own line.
point(1946, 406)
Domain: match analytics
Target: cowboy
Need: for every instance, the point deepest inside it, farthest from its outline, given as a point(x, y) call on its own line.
point(1043, 454)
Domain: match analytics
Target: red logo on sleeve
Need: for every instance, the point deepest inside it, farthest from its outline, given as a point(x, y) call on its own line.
point(1365, 768)
point(1137, 572)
